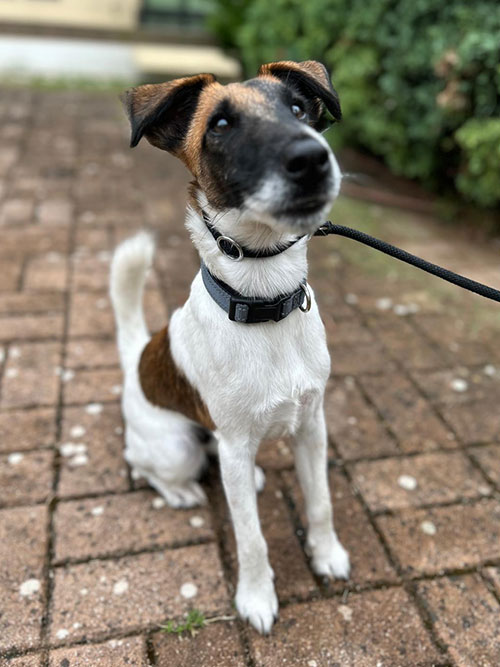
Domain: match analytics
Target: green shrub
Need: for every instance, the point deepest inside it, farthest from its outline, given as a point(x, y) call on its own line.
point(412, 75)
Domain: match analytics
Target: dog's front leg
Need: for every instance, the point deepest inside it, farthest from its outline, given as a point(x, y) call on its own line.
point(328, 556)
point(256, 599)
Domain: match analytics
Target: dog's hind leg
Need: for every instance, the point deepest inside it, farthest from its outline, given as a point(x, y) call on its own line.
point(328, 556)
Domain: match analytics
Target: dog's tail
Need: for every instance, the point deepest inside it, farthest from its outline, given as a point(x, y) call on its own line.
point(129, 268)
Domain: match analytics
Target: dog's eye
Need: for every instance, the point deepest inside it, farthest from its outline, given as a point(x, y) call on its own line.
point(298, 112)
point(220, 125)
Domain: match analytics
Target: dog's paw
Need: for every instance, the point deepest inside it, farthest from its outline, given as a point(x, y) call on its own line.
point(186, 495)
point(260, 479)
point(333, 563)
point(259, 606)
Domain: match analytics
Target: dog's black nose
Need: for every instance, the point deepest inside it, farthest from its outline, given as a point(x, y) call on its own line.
point(306, 160)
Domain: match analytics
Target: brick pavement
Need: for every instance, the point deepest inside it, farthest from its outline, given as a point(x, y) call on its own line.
point(91, 563)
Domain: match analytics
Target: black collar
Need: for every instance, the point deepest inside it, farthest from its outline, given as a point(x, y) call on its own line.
point(235, 251)
point(251, 310)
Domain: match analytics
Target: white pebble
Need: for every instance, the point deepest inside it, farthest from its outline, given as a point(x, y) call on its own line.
point(351, 299)
point(72, 448)
point(77, 626)
point(119, 430)
point(62, 633)
point(78, 460)
point(490, 370)
point(93, 409)
point(67, 375)
point(11, 372)
point(84, 591)
point(120, 587)
point(407, 482)
point(459, 384)
point(97, 511)
point(15, 458)
point(312, 663)
point(401, 310)
point(384, 304)
point(428, 528)
point(29, 587)
point(352, 421)
point(189, 590)
point(345, 611)
point(197, 521)
point(2, 355)
point(77, 431)
point(116, 389)
point(15, 352)
point(158, 503)
point(135, 474)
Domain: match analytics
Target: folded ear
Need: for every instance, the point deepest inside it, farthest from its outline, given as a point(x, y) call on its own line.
point(312, 80)
point(162, 111)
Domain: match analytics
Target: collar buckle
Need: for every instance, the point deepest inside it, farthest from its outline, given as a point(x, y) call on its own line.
point(223, 242)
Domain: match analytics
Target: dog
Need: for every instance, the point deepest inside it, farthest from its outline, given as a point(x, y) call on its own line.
point(245, 358)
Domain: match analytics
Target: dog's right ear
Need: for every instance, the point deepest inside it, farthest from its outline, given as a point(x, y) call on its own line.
point(162, 112)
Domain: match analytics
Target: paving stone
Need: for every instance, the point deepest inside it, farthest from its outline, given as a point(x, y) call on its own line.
point(46, 273)
point(91, 240)
point(344, 332)
point(292, 576)
point(16, 212)
point(489, 460)
point(92, 273)
point(25, 478)
point(55, 212)
point(11, 275)
point(377, 627)
point(368, 560)
point(89, 353)
point(408, 415)
point(31, 375)
point(392, 484)
point(405, 344)
point(466, 617)
point(136, 591)
point(460, 385)
point(478, 421)
point(100, 466)
point(26, 429)
point(275, 455)
point(31, 327)
point(130, 651)
point(353, 424)
point(91, 315)
point(30, 660)
point(360, 358)
point(493, 575)
point(23, 536)
point(82, 526)
point(216, 645)
point(92, 385)
point(19, 303)
point(19, 243)
point(444, 538)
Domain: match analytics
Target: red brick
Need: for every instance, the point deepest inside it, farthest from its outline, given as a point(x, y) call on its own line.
point(18, 243)
point(460, 385)
point(11, 275)
point(82, 526)
point(22, 549)
point(135, 591)
point(46, 273)
point(466, 617)
point(216, 645)
point(407, 414)
point(488, 459)
point(93, 385)
point(474, 422)
point(91, 315)
point(20, 303)
point(16, 212)
point(25, 478)
point(90, 240)
point(275, 455)
point(105, 469)
point(55, 212)
point(31, 327)
point(353, 424)
point(89, 353)
point(377, 627)
point(31, 377)
point(360, 358)
point(26, 429)
point(462, 536)
point(439, 478)
point(127, 651)
point(30, 660)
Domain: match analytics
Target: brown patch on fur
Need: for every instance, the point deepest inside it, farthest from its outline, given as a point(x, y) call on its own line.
point(165, 386)
point(311, 67)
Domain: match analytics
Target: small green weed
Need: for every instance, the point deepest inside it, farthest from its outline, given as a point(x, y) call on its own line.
point(195, 620)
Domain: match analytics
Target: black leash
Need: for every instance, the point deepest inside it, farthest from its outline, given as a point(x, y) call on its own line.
point(451, 277)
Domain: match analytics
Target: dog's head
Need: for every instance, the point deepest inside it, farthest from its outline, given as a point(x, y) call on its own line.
point(252, 146)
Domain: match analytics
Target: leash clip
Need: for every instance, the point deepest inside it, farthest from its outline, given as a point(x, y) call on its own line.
point(307, 307)
point(226, 239)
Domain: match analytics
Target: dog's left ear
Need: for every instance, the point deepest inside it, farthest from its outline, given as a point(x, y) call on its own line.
point(311, 78)
point(162, 112)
